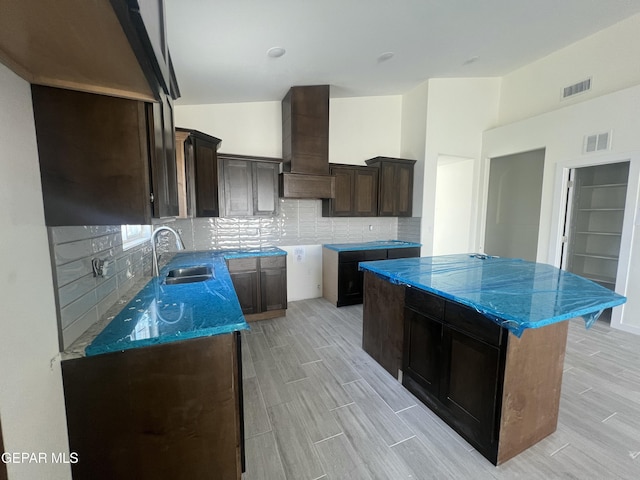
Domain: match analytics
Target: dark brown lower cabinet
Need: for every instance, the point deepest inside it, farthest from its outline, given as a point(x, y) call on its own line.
point(342, 282)
point(261, 285)
point(170, 411)
point(500, 392)
point(273, 284)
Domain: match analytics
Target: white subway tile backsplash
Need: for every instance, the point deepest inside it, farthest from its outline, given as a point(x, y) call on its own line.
point(77, 308)
point(75, 290)
point(409, 229)
point(78, 327)
point(70, 251)
point(107, 242)
point(81, 296)
point(69, 234)
point(72, 271)
point(106, 288)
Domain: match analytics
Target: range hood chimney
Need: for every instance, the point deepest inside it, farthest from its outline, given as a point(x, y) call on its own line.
point(305, 143)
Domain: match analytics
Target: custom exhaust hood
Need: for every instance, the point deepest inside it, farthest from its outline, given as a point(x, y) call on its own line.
point(305, 143)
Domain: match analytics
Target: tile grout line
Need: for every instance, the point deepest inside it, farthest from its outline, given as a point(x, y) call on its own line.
point(561, 448)
point(328, 438)
point(402, 441)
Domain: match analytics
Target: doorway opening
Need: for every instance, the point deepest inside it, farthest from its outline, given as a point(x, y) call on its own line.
point(513, 205)
point(596, 197)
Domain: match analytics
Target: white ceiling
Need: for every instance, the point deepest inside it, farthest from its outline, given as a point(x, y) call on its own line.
point(219, 47)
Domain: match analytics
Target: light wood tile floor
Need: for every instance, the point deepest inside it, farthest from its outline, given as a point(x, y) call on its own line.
point(318, 407)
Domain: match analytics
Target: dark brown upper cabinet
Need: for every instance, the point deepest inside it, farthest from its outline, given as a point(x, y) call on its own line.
point(110, 47)
point(162, 146)
point(305, 143)
point(395, 186)
point(104, 160)
point(356, 192)
point(199, 153)
point(249, 185)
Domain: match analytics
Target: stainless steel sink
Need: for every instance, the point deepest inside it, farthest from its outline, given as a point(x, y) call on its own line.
point(198, 273)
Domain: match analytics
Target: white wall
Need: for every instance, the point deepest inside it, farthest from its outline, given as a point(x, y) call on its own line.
point(363, 128)
point(414, 137)
point(359, 128)
point(609, 57)
point(304, 266)
point(561, 132)
point(454, 212)
point(253, 128)
point(459, 110)
point(31, 395)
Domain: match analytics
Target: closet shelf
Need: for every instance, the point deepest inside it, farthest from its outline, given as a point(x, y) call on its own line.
point(601, 279)
point(606, 185)
point(601, 209)
point(595, 255)
point(610, 234)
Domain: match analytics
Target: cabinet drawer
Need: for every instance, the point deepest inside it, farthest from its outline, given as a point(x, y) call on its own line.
point(362, 255)
point(424, 303)
point(273, 262)
point(242, 264)
point(403, 252)
point(472, 323)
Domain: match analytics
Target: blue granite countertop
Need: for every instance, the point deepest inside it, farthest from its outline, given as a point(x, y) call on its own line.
point(514, 293)
point(375, 245)
point(162, 313)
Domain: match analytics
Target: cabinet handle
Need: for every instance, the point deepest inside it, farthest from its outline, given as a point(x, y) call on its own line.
point(151, 197)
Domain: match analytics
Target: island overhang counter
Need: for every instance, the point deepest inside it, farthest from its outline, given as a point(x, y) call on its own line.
point(480, 340)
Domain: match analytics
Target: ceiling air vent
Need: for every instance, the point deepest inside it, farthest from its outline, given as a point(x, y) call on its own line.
point(576, 88)
point(597, 142)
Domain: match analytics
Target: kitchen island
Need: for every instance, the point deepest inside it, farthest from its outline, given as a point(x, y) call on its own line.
point(342, 281)
point(480, 340)
point(157, 393)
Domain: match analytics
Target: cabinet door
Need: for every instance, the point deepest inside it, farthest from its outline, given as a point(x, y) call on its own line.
point(365, 201)
point(403, 190)
point(206, 178)
point(163, 159)
point(265, 188)
point(246, 286)
point(94, 158)
point(386, 200)
point(421, 363)
point(342, 204)
point(471, 377)
point(238, 189)
point(273, 289)
point(409, 252)
point(350, 282)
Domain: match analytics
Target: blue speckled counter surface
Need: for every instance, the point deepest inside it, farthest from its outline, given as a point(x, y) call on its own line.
point(514, 293)
point(376, 245)
point(162, 313)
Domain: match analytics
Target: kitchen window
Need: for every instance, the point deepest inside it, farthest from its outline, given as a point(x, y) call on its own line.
point(133, 235)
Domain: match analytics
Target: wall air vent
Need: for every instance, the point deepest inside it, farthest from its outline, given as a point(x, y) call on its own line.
point(597, 142)
point(576, 88)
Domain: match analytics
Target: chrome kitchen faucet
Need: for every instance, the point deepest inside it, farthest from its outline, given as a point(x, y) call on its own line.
point(179, 245)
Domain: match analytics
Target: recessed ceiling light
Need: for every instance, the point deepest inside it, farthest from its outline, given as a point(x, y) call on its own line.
point(276, 52)
point(383, 57)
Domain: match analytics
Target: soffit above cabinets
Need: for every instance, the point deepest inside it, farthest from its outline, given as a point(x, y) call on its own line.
point(74, 44)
